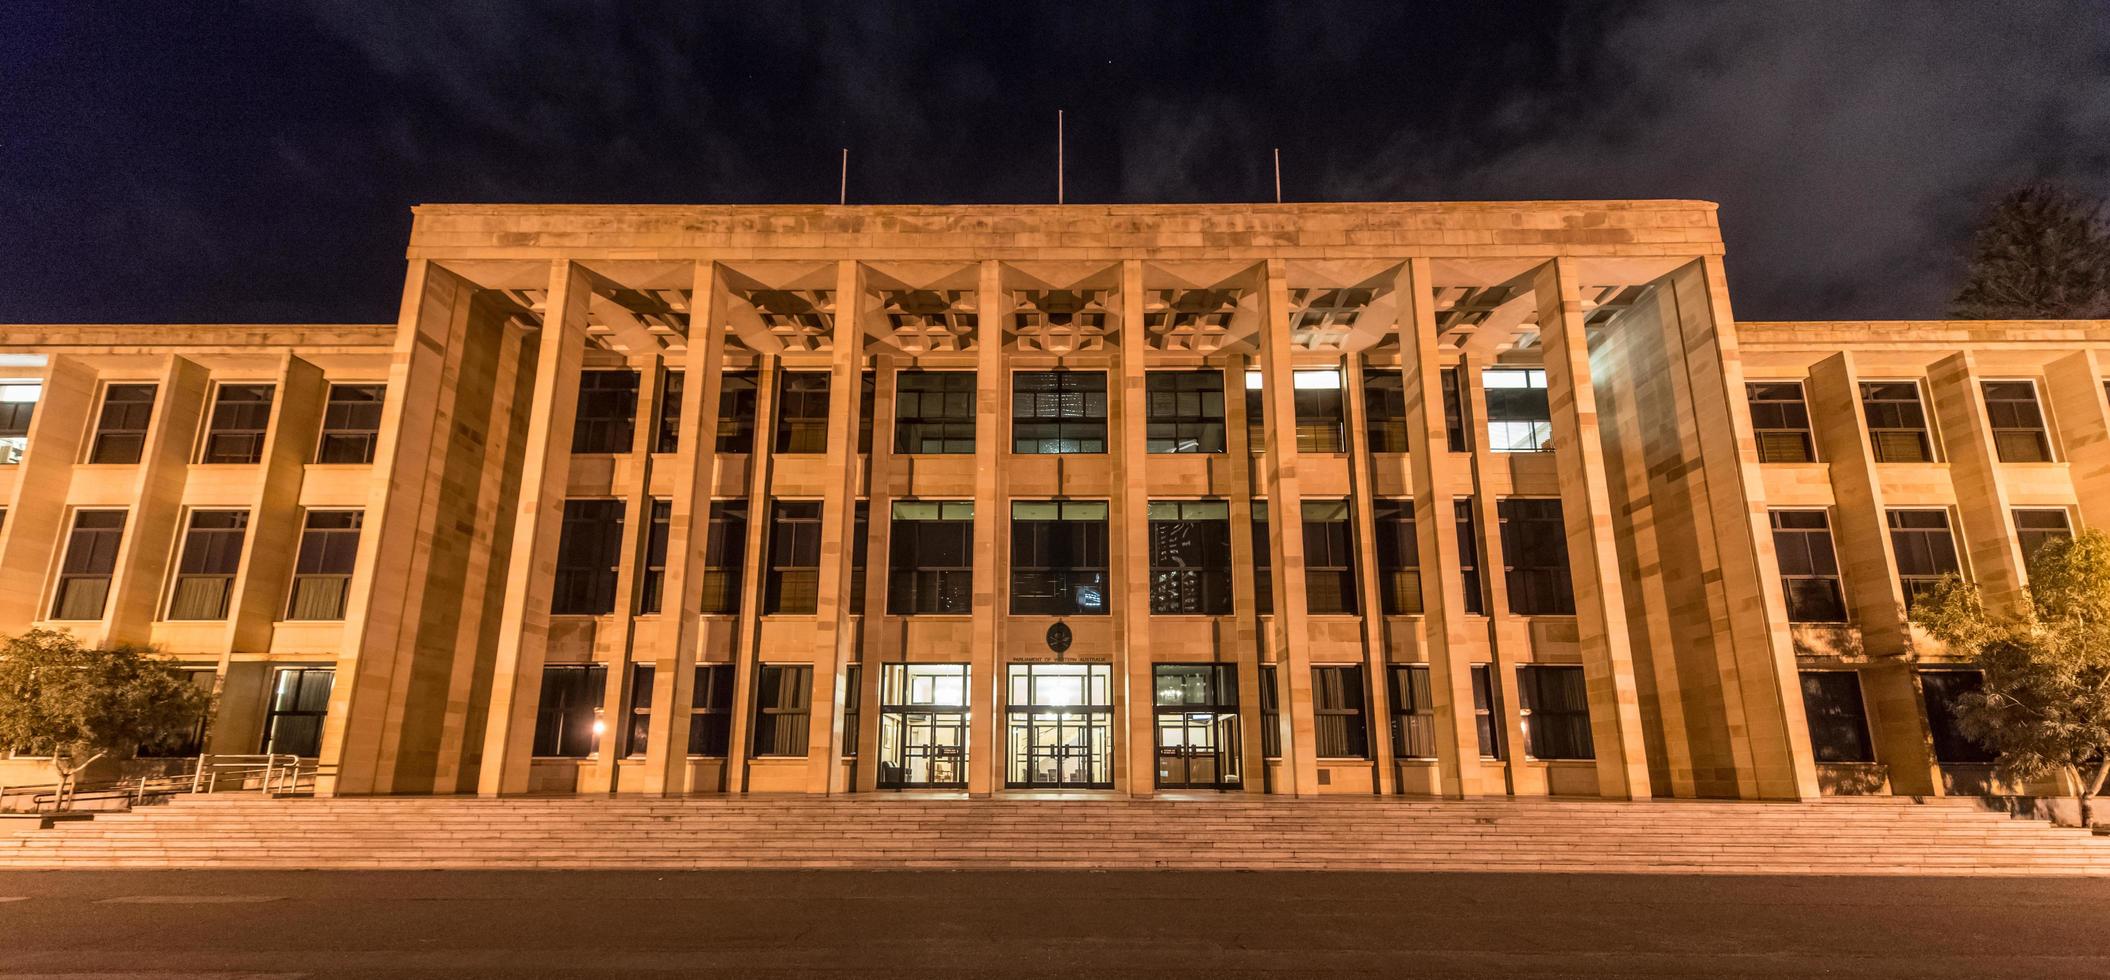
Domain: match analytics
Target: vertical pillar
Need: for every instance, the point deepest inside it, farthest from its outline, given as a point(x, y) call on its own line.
point(38, 521)
point(618, 634)
point(1385, 781)
point(1246, 626)
point(747, 645)
point(878, 540)
point(2073, 387)
point(1487, 523)
point(835, 633)
point(1131, 523)
point(274, 512)
point(1987, 527)
point(1286, 532)
point(983, 748)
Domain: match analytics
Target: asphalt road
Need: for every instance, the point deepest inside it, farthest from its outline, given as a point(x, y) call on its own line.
point(1040, 924)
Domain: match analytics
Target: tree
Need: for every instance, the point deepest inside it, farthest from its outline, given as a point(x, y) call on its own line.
point(81, 704)
point(2041, 252)
point(2045, 704)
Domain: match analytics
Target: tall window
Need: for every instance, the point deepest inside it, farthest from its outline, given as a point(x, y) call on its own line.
point(589, 551)
point(1925, 550)
point(2037, 527)
point(1940, 689)
point(1329, 558)
point(1190, 557)
point(1058, 412)
point(1897, 422)
point(783, 709)
point(860, 549)
point(1780, 421)
point(300, 700)
point(1398, 557)
point(853, 705)
point(351, 424)
point(802, 412)
point(1058, 558)
point(212, 553)
point(1263, 561)
point(18, 404)
point(91, 557)
point(653, 576)
point(1487, 714)
point(2017, 422)
point(931, 558)
point(566, 716)
point(1413, 713)
point(666, 432)
point(1385, 410)
point(1456, 434)
point(1831, 700)
point(1535, 555)
point(638, 739)
point(737, 408)
point(1519, 416)
point(1270, 714)
point(240, 416)
point(711, 711)
point(1185, 411)
point(607, 417)
point(1340, 731)
point(121, 426)
point(724, 557)
point(1809, 567)
point(1556, 712)
point(794, 581)
point(1321, 422)
point(1468, 530)
point(322, 574)
point(934, 412)
point(867, 404)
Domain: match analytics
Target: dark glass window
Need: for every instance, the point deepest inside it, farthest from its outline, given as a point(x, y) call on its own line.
point(589, 551)
point(1556, 712)
point(1519, 415)
point(1939, 689)
point(1456, 434)
point(638, 739)
point(1190, 557)
point(1925, 550)
point(1058, 558)
point(794, 580)
point(240, 416)
point(867, 403)
point(666, 437)
point(1487, 715)
point(1321, 425)
point(607, 417)
point(711, 711)
point(1058, 412)
point(2037, 527)
point(1897, 422)
point(1413, 713)
point(1270, 714)
point(1263, 562)
point(571, 703)
point(1385, 410)
point(1329, 558)
point(934, 412)
point(212, 554)
point(783, 708)
point(653, 580)
point(1535, 555)
point(1780, 422)
point(2017, 422)
point(300, 700)
point(724, 554)
point(853, 707)
point(737, 408)
point(1809, 566)
point(802, 412)
point(1831, 699)
point(351, 424)
point(1468, 528)
point(1398, 557)
point(322, 574)
point(121, 427)
point(18, 405)
point(91, 557)
point(1185, 411)
point(931, 558)
point(1337, 707)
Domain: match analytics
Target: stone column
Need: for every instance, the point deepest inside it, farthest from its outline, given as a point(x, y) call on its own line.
point(1986, 526)
point(273, 541)
point(878, 543)
point(1131, 526)
point(1503, 654)
point(747, 647)
point(991, 518)
point(633, 482)
point(1246, 627)
point(835, 632)
point(1376, 663)
point(2073, 389)
point(1292, 637)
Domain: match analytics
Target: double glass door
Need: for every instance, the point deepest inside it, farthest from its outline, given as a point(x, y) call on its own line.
point(1197, 726)
point(923, 726)
point(1061, 729)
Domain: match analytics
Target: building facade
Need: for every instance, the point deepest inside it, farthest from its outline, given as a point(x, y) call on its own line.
point(1424, 499)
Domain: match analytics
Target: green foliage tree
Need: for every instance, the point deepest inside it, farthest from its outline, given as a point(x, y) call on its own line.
point(2042, 251)
point(2045, 705)
point(80, 704)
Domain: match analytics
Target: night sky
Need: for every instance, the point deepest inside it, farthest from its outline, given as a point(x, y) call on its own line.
point(225, 162)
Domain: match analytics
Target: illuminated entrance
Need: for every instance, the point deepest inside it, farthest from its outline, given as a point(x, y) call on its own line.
point(923, 725)
point(1197, 726)
point(1062, 727)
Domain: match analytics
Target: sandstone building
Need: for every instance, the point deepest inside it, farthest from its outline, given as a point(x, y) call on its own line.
point(1434, 499)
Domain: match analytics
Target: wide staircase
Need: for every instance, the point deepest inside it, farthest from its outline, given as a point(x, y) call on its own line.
point(1889, 837)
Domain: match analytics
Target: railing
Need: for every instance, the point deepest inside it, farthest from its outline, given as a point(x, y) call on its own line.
point(266, 773)
point(270, 773)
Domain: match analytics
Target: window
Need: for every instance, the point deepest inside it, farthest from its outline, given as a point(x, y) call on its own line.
point(711, 711)
point(867, 403)
point(1487, 718)
point(931, 558)
point(666, 434)
point(934, 412)
point(724, 554)
point(793, 587)
point(1535, 556)
point(853, 704)
point(300, 700)
point(653, 581)
point(1897, 422)
point(737, 408)
point(2017, 422)
point(18, 404)
point(1270, 714)
point(568, 718)
point(1337, 709)
point(1413, 713)
point(91, 556)
point(1519, 416)
point(351, 424)
point(1556, 712)
point(783, 708)
point(1317, 397)
point(802, 412)
point(1940, 689)
point(322, 573)
point(1184, 411)
point(923, 714)
point(1190, 558)
point(1925, 550)
point(589, 551)
point(212, 553)
point(607, 416)
point(1058, 412)
point(235, 431)
point(1058, 558)
point(1809, 567)
point(1780, 422)
point(2035, 528)
point(637, 740)
point(1831, 699)
point(1385, 410)
point(1398, 558)
point(1263, 562)
point(1456, 435)
point(121, 426)
point(1329, 559)
point(860, 549)
point(1468, 529)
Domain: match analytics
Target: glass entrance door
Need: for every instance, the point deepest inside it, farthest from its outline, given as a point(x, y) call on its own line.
point(923, 726)
point(1197, 726)
point(1061, 726)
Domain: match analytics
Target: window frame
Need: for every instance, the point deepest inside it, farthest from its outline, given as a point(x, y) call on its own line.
point(1864, 750)
point(2042, 450)
point(103, 430)
point(113, 538)
point(362, 443)
point(324, 538)
point(1204, 587)
point(1928, 451)
point(1523, 581)
point(614, 433)
point(1784, 557)
point(1090, 429)
point(950, 588)
point(211, 433)
point(569, 563)
point(1355, 722)
point(946, 425)
point(1038, 546)
point(766, 709)
point(1777, 417)
point(1188, 420)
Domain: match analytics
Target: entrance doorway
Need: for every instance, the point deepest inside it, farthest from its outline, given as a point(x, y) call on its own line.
point(1061, 727)
point(923, 726)
point(1197, 726)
